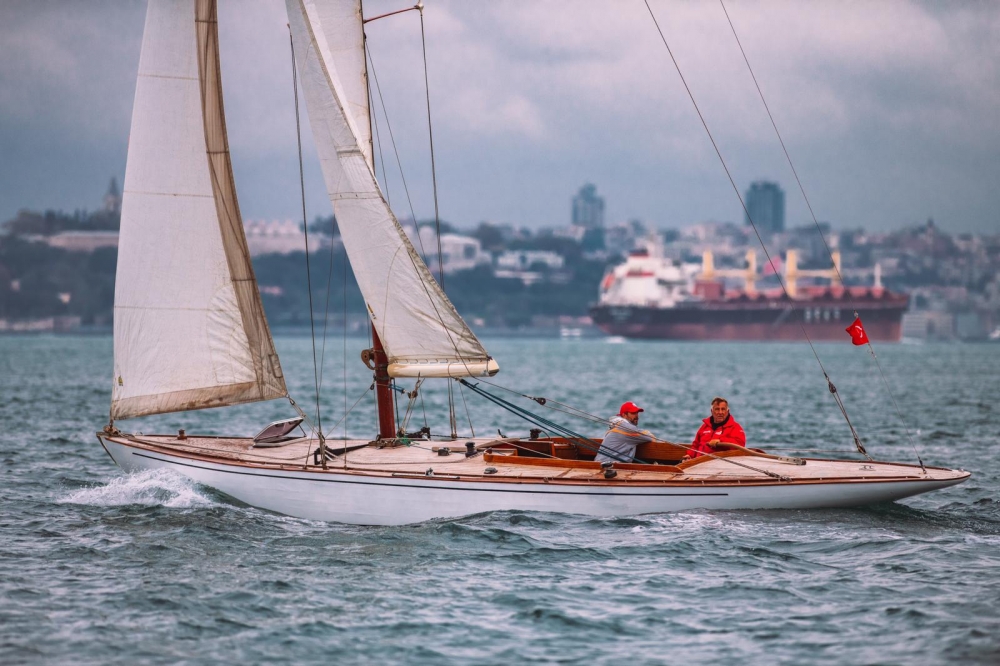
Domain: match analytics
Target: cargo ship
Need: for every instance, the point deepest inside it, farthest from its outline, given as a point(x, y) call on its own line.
point(653, 297)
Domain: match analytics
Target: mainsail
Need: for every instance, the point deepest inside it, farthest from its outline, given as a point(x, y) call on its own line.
point(422, 333)
point(189, 327)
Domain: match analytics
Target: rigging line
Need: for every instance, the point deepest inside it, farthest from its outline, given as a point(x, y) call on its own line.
point(906, 427)
point(378, 140)
point(395, 405)
point(395, 149)
point(423, 409)
point(343, 419)
point(767, 472)
point(729, 175)
point(819, 229)
point(305, 231)
point(437, 215)
point(783, 148)
point(452, 418)
point(461, 392)
point(398, 11)
point(430, 134)
point(413, 215)
point(570, 410)
point(580, 440)
point(301, 412)
point(344, 296)
point(412, 402)
point(423, 253)
point(802, 189)
point(326, 313)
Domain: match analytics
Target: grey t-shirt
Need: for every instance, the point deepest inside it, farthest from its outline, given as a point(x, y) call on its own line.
point(621, 440)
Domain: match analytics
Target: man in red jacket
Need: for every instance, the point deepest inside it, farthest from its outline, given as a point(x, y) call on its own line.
point(716, 431)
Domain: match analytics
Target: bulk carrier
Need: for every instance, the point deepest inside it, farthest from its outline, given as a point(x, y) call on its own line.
point(653, 297)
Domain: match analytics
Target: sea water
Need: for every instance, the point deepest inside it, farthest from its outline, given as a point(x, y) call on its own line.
point(97, 566)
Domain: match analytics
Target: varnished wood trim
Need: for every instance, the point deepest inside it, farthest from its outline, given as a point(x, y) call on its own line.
point(576, 464)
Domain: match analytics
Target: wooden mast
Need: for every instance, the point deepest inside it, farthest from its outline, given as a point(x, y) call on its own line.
point(383, 390)
point(383, 386)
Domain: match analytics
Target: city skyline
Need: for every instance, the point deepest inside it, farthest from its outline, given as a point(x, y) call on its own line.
point(887, 111)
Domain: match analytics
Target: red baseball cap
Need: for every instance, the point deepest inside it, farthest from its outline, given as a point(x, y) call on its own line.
point(629, 407)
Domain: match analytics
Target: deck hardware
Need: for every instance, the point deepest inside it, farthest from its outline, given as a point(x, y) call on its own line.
point(535, 432)
point(867, 468)
point(429, 472)
point(444, 451)
point(181, 435)
point(470, 449)
point(610, 473)
point(490, 470)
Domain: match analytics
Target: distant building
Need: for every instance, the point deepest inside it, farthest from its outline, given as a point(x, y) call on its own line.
point(82, 241)
point(588, 208)
point(619, 239)
point(928, 325)
point(458, 252)
point(766, 206)
point(572, 232)
point(113, 199)
point(281, 237)
point(520, 260)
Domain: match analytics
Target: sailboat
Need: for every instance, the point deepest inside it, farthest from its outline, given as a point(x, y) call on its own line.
point(190, 331)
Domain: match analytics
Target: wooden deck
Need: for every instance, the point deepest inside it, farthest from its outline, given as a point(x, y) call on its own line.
point(528, 461)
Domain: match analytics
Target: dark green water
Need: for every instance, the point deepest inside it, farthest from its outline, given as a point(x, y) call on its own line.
point(98, 567)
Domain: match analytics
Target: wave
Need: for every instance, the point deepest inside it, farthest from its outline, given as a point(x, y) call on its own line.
point(160, 487)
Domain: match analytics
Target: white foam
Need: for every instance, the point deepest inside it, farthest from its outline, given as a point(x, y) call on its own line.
point(161, 487)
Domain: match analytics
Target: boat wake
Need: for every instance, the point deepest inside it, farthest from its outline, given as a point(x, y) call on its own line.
point(146, 488)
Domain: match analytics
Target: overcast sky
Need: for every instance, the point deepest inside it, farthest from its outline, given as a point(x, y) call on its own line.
point(891, 110)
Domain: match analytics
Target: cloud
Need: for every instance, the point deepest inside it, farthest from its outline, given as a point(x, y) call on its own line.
point(530, 99)
point(69, 65)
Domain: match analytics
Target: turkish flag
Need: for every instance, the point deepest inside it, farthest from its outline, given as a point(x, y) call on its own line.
point(857, 332)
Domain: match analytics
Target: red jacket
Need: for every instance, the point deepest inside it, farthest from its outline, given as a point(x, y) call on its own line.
point(729, 431)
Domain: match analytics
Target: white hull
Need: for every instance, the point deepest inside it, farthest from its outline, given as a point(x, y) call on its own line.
point(355, 497)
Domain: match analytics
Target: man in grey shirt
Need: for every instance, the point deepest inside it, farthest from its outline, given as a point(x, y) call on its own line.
point(623, 436)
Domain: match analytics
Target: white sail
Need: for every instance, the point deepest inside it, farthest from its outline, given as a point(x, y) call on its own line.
point(341, 24)
point(189, 328)
point(422, 333)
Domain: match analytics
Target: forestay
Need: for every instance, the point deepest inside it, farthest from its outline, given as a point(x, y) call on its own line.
point(422, 333)
point(189, 328)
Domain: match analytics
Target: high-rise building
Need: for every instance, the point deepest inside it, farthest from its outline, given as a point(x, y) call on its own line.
point(766, 206)
point(588, 208)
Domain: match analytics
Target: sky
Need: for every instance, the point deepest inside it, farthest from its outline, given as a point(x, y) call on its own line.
point(890, 110)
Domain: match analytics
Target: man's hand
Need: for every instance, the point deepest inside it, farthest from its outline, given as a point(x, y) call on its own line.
point(714, 443)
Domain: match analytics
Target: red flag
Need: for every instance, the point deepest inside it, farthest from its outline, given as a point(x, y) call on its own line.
point(857, 332)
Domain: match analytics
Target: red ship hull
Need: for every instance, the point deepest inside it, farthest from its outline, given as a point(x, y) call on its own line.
point(823, 316)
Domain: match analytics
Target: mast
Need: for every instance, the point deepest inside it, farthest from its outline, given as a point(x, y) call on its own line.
point(383, 389)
